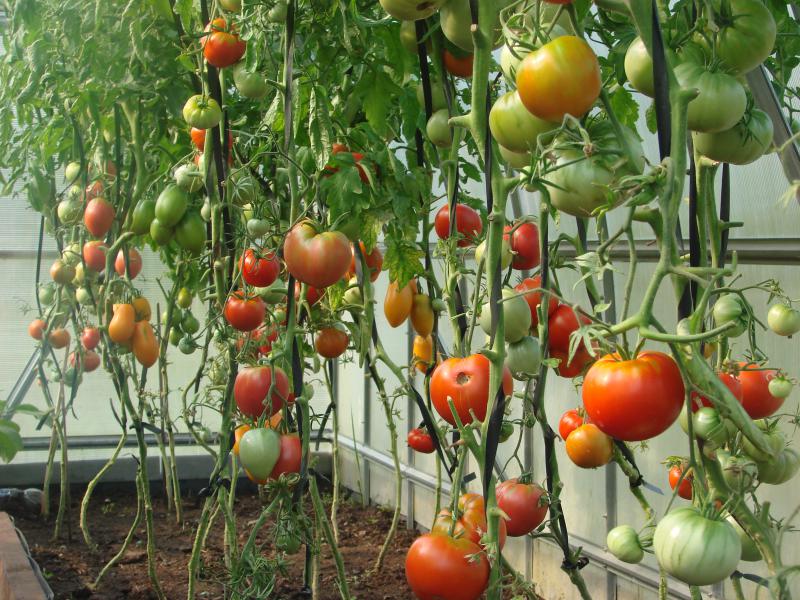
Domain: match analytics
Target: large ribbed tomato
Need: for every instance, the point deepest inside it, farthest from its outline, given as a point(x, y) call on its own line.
point(251, 387)
point(221, 44)
point(633, 400)
point(466, 381)
point(440, 567)
point(318, 259)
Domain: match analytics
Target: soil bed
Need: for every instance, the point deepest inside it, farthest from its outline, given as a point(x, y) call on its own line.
point(70, 568)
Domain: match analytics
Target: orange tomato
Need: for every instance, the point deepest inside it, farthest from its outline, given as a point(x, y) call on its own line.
point(458, 66)
point(423, 352)
point(560, 78)
point(122, 324)
point(397, 304)
point(142, 308)
point(36, 329)
point(331, 342)
point(422, 315)
point(145, 344)
point(58, 338)
point(588, 447)
point(237, 436)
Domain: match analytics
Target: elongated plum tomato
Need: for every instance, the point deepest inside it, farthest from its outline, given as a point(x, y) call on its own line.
point(98, 217)
point(523, 504)
point(290, 457)
point(134, 263)
point(560, 78)
point(633, 400)
point(731, 382)
point(466, 382)
point(243, 313)
point(318, 259)
point(468, 224)
point(524, 245)
point(251, 387)
point(421, 441)
point(259, 271)
point(398, 302)
point(221, 44)
point(756, 398)
point(331, 342)
point(440, 567)
point(532, 288)
point(94, 255)
point(685, 485)
point(569, 422)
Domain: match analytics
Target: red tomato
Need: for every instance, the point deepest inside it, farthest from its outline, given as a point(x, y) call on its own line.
point(259, 271)
point(318, 259)
point(525, 246)
point(98, 217)
point(421, 441)
point(251, 387)
point(756, 399)
point(633, 400)
point(221, 44)
point(730, 381)
point(439, 567)
point(134, 263)
point(374, 262)
point(468, 224)
point(458, 66)
point(199, 139)
point(331, 342)
point(244, 314)
point(90, 360)
point(261, 340)
point(36, 329)
point(522, 503)
point(685, 488)
point(466, 381)
point(313, 295)
point(569, 422)
point(94, 255)
point(580, 360)
point(290, 457)
point(534, 299)
point(90, 337)
point(336, 148)
point(561, 325)
point(471, 523)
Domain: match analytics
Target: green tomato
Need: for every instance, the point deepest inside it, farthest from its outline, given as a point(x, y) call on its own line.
point(783, 319)
point(438, 129)
point(746, 37)
point(524, 357)
point(171, 205)
point(186, 345)
point(411, 10)
point(189, 323)
point(779, 469)
point(47, 294)
point(623, 542)
point(189, 178)
point(259, 450)
point(202, 112)
point(244, 188)
point(353, 294)
point(161, 234)
point(780, 387)
point(175, 335)
point(70, 211)
point(184, 299)
point(515, 160)
point(83, 296)
point(516, 315)
point(72, 254)
point(750, 551)
point(438, 305)
point(438, 100)
point(205, 210)
point(456, 21)
point(694, 549)
point(745, 142)
point(506, 256)
point(250, 84)
point(513, 126)
point(639, 68)
point(277, 14)
point(506, 431)
point(72, 377)
point(257, 227)
point(72, 171)
point(708, 426)
point(720, 102)
point(231, 5)
point(776, 441)
point(739, 472)
point(143, 216)
point(408, 38)
point(730, 308)
point(190, 233)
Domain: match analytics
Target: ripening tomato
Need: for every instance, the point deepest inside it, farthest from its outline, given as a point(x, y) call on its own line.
point(562, 324)
point(588, 447)
point(58, 338)
point(731, 382)
point(331, 342)
point(36, 329)
point(560, 78)
point(534, 298)
point(98, 217)
point(459, 66)
point(422, 315)
point(398, 303)
point(259, 271)
point(89, 361)
point(685, 487)
point(90, 337)
point(466, 382)
point(580, 361)
point(290, 458)
point(145, 344)
point(440, 567)
point(756, 397)
point(94, 255)
point(569, 422)
point(237, 437)
point(374, 262)
point(122, 324)
point(524, 505)
point(318, 259)
point(244, 314)
point(134, 263)
point(633, 400)
point(421, 441)
point(524, 245)
point(471, 522)
point(221, 44)
point(143, 312)
point(468, 224)
point(423, 353)
point(251, 387)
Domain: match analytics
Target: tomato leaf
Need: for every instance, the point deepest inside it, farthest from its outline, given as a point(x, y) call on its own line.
point(650, 118)
point(625, 107)
point(319, 126)
point(403, 260)
point(10, 440)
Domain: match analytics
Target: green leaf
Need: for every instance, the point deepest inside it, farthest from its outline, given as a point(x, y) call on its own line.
point(625, 107)
point(403, 260)
point(10, 440)
point(650, 118)
point(319, 126)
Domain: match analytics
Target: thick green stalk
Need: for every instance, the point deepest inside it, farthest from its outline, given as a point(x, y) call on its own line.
point(322, 520)
point(87, 496)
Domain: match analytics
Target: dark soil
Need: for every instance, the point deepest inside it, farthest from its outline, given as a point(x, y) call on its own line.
point(70, 568)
